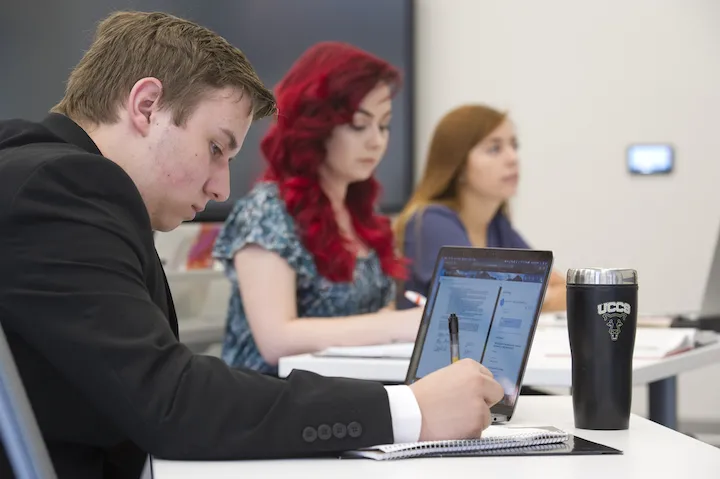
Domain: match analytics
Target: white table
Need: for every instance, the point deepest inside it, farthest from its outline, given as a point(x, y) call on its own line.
point(198, 333)
point(542, 371)
point(650, 451)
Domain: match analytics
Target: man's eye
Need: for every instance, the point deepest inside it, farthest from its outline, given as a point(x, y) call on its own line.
point(215, 149)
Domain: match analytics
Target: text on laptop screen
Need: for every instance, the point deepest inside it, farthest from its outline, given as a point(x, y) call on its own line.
point(495, 301)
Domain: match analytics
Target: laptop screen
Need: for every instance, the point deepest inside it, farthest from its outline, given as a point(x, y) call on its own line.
point(496, 295)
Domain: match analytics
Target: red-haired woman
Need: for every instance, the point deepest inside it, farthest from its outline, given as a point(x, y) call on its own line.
point(311, 262)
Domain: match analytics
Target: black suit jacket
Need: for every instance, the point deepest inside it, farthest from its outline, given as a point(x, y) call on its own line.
point(89, 318)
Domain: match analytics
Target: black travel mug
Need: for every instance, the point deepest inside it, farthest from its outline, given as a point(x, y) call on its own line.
point(602, 320)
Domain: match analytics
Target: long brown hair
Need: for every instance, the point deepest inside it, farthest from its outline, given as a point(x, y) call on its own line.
point(457, 133)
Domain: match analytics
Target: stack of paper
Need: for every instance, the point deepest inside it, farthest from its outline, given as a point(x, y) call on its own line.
point(395, 350)
point(643, 320)
point(650, 343)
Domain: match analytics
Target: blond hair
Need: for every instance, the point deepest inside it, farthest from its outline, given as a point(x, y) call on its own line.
point(188, 59)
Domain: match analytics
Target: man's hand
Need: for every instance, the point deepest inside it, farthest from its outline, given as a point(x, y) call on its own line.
point(455, 401)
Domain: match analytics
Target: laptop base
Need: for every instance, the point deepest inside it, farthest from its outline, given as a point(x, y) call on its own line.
point(697, 321)
point(499, 418)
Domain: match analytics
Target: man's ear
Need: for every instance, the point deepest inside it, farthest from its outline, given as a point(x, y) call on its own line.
point(142, 103)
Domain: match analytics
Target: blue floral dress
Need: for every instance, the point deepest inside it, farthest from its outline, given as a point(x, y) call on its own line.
point(261, 218)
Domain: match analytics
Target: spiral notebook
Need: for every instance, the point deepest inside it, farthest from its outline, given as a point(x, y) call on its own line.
point(494, 439)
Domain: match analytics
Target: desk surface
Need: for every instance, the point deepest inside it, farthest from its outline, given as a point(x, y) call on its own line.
point(651, 451)
point(201, 329)
point(542, 371)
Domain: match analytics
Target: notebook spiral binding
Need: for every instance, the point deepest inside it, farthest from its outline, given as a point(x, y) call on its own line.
point(466, 445)
point(500, 451)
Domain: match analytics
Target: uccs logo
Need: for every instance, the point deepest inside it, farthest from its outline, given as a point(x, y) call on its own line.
point(614, 313)
point(613, 307)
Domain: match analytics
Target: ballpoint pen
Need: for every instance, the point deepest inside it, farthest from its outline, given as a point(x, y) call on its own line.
point(454, 342)
point(415, 298)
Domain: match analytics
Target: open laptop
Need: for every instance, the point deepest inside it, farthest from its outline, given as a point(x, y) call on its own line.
point(497, 295)
point(19, 432)
point(710, 307)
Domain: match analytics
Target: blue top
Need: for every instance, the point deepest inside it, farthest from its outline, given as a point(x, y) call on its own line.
point(261, 218)
point(441, 226)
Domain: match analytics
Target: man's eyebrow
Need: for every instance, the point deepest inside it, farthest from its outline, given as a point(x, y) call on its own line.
point(232, 141)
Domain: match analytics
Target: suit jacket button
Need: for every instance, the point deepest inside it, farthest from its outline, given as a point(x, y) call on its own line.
point(354, 429)
point(339, 430)
point(309, 434)
point(324, 432)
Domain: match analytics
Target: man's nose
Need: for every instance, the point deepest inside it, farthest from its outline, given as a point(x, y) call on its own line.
point(218, 186)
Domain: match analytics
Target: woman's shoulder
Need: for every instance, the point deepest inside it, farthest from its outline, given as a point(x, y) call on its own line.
point(258, 217)
point(501, 222)
point(503, 234)
point(263, 200)
point(262, 193)
point(433, 215)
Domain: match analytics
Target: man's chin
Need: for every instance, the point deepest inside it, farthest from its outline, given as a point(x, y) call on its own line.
point(167, 226)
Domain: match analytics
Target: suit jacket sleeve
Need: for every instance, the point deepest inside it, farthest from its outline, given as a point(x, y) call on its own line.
point(81, 300)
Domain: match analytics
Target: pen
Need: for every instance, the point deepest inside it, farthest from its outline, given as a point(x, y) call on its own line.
point(454, 343)
point(415, 298)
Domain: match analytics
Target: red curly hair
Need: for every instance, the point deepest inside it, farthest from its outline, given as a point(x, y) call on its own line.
point(322, 90)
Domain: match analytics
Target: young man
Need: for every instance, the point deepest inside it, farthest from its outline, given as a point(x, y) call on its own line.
point(141, 141)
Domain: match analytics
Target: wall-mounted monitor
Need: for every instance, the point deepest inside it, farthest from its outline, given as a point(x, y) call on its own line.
point(650, 159)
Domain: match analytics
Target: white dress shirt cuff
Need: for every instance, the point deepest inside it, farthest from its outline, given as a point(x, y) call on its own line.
point(405, 413)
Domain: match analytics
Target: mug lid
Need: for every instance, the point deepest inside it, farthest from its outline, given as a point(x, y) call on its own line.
point(602, 276)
